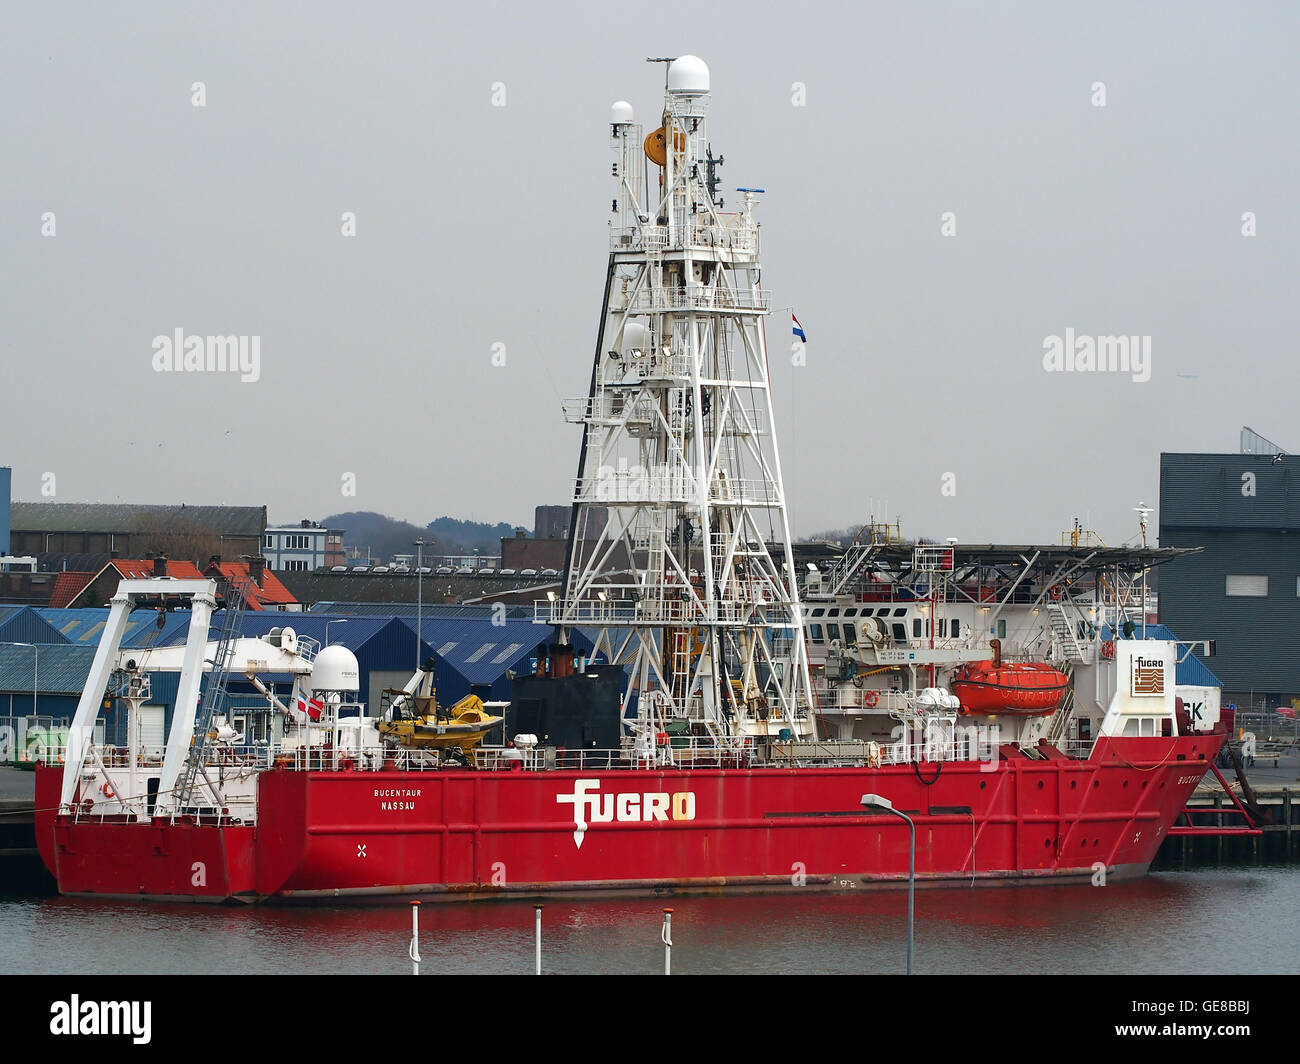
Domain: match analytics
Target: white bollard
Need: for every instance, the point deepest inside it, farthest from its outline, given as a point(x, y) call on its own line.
point(413, 950)
point(667, 936)
point(539, 938)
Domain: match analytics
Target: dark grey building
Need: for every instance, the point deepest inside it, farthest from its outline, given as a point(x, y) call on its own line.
point(1243, 589)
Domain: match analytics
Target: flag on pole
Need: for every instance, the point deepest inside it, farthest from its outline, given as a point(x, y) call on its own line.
point(313, 707)
point(798, 329)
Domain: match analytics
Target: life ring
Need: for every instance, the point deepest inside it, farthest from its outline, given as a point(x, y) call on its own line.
point(1108, 649)
point(871, 698)
point(1055, 592)
point(108, 791)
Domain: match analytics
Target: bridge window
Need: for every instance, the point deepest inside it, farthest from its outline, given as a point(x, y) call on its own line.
point(900, 632)
point(833, 631)
point(815, 630)
point(850, 636)
point(956, 627)
point(916, 627)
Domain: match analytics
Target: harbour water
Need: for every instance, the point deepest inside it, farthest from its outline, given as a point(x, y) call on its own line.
point(1226, 920)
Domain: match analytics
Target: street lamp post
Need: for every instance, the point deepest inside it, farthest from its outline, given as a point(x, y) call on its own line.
point(327, 630)
point(875, 801)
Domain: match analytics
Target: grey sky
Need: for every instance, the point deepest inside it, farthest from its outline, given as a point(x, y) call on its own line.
point(480, 225)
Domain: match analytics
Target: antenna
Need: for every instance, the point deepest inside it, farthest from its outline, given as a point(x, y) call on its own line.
point(667, 62)
point(711, 165)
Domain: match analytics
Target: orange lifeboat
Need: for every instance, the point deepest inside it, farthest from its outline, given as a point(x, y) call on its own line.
point(1026, 688)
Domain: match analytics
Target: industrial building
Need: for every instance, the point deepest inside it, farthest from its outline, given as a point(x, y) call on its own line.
point(303, 547)
point(132, 531)
point(1243, 589)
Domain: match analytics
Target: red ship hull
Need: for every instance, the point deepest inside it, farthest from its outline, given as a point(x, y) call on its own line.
point(456, 835)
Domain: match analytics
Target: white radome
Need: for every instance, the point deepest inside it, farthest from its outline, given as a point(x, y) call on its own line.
point(621, 113)
point(688, 75)
point(335, 669)
point(636, 337)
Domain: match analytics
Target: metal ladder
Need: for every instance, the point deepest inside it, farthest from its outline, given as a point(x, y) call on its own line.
point(1063, 630)
point(1061, 718)
point(214, 692)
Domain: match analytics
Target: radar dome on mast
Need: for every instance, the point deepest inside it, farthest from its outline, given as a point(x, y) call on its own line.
point(688, 75)
point(335, 669)
point(621, 114)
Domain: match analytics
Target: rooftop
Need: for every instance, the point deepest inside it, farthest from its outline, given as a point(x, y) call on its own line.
point(121, 517)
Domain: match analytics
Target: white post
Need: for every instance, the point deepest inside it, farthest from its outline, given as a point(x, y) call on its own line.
point(180, 737)
point(538, 909)
point(413, 950)
point(132, 745)
point(667, 936)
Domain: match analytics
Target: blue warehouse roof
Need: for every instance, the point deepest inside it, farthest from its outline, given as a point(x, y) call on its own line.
point(86, 626)
point(24, 624)
point(476, 648)
point(60, 670)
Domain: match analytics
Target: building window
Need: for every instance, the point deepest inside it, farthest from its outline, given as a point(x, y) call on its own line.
point(1247, 586)
point(270, 541)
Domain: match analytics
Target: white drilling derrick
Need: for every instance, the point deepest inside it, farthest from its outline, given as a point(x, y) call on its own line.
point(679, 497)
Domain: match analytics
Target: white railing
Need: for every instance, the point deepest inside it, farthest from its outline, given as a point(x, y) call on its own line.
point(699, 298)
point(638, 486)
point(652, 612)
point(701, 232)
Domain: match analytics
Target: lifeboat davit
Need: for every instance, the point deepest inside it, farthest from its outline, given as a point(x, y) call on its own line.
point(1030, 688)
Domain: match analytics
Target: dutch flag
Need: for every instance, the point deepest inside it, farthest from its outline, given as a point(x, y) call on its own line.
point(798, 329)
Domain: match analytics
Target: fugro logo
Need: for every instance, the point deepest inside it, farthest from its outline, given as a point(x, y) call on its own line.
point(102, 1018)
point(1098, 354)
point(179, 353)
point(624, 806)
point(1148, 677)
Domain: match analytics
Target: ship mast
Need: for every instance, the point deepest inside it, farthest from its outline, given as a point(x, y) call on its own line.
point(679, 506)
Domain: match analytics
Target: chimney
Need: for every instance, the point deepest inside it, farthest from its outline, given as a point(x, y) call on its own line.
point(256, 569)
point(160, 565)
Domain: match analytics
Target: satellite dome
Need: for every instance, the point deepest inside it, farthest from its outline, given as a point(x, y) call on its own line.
point(621, 113)
point(335, 669)
point(688, 76)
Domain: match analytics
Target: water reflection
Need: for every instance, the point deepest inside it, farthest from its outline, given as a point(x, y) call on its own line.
point(1212, 920)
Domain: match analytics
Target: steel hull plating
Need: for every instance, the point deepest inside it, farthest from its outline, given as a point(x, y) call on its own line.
point(477, 834)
